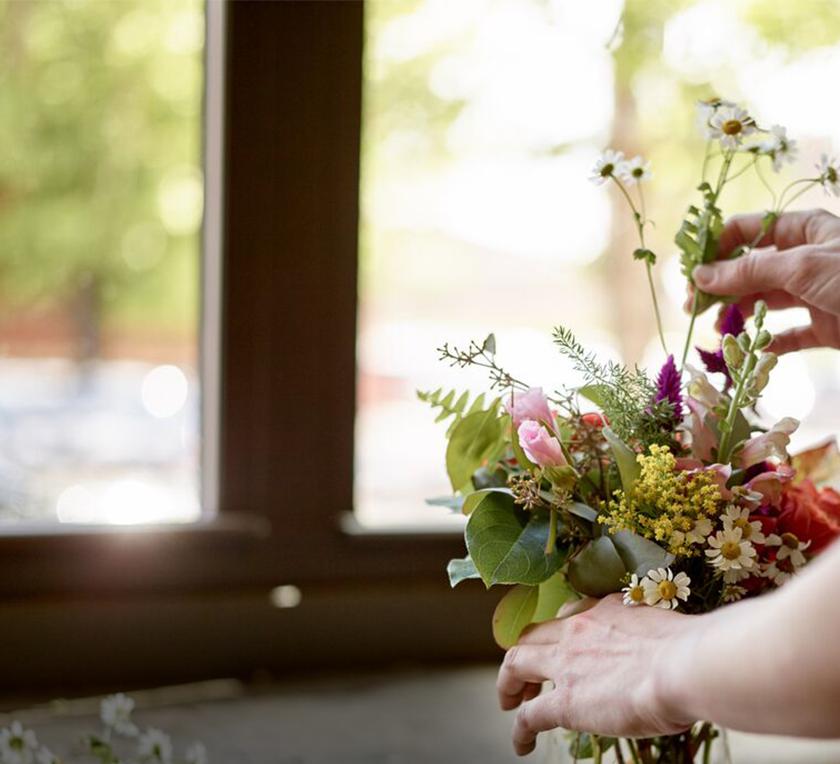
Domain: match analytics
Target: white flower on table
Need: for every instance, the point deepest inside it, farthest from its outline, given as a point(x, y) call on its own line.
point(729, 550)
point(664, 590)
point(829, 169)
point(17, 745)
point(779, 147)
point(634, 592)
point(739, 517)
point(635, 170)
point(730, 125)
point(196, 754)
point(115, 712)
point(609, 164)
point(155, 746)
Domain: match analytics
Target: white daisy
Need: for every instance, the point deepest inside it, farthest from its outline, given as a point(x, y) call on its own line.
point(790, 547)
point(730, 125)
point(729, 550)
point(779, 147)
point(733, 593)
point(196, 754)
point(634, 592)
point(737, 517)
point(17, 745)
point(735, 575)
point(609, 164)
point(635, 170)
point(115, 711)
point(778, 572)
point(155, 746)
point(829, 169)
point(697, 535)
point(663, 589)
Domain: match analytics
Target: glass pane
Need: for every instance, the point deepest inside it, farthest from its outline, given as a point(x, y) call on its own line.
point(481, 122)
point(100, 209)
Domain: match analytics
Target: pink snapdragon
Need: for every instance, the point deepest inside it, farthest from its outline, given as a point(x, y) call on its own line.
point(539, 445)
point(532, 404)
point(772, 443)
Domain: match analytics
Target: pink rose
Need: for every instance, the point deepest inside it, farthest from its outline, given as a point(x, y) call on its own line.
point(532, 404)
point(540, 446)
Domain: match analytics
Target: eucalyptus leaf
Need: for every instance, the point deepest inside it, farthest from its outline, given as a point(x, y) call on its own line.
point(625, 458)
point(579, 509)
point(554, 593)
point(472, 500)
point(455, 503)
point(461, 570)
point(507, 544)
point(597, 570)
point(513, 613)
point(639, 554)
point(473, 440)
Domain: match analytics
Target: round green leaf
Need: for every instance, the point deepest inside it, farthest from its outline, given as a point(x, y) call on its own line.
point(597, 570)
point(513, 613)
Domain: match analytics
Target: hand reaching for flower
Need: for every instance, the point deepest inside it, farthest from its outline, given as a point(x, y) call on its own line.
point(797, 265)
point(603, 659)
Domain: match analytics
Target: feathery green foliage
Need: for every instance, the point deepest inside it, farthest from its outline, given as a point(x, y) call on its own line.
point(451, 405)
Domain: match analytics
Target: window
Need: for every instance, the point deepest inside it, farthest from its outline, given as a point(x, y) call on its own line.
point(100, 214)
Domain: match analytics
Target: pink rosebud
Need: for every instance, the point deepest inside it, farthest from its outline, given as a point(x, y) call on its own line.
point(532, 404)
point(540, 446)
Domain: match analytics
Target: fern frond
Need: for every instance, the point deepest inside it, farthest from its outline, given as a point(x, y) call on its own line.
point(451, 404)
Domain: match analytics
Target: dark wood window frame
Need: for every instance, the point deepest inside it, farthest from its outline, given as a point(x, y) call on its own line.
point(279, 408)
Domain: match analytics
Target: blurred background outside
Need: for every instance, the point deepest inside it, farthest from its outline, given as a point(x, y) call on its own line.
point(482, 121)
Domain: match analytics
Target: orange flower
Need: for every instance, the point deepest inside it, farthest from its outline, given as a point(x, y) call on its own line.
point(811, 514)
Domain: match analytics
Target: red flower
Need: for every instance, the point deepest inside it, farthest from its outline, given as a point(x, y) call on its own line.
point(594, 419)
point(811, 514)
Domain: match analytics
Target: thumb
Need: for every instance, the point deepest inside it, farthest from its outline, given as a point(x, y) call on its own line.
point(750, 274)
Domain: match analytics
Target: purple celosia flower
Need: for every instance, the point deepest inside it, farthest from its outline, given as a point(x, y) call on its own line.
point(668, 385)
point(731, 322)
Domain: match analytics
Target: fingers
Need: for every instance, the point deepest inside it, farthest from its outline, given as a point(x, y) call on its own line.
point(801, 338)
point(523, 665)
point(769, 271)
point(548, 632)
point(534, 717)
point(792, 229)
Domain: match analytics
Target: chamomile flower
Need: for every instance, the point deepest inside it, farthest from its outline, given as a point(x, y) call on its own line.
point(609, 164)
point(634, 592)
point(155, 746)
point(663, 589)
point(17, 745)
point(701, 528)
point(738, 517)
point(790, 548)
point(115, 712)
point(829, 169)
point(728, 550)
point(779, 572)
point(779, 147)
point(730, 125)
point(733, 593)
point(635, 170)
point(706, 110)
point(735, 575)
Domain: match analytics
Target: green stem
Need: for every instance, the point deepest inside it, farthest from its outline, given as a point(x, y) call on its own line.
point(656, 307)
point(796, 196)
point(596, 749)
point(551, 542)
point(707, 750)
point(619, 753)
point(631, 744)
point(694, 305)
point(736, 403)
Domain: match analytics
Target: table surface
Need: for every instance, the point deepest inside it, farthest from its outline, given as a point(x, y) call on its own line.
point(410, 716)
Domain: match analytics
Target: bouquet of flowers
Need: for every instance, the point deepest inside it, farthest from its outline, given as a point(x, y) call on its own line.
point(672, 491)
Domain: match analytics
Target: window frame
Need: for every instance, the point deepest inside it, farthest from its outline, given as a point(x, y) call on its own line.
point(283, 111)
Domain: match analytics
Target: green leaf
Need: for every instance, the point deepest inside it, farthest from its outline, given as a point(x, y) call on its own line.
point(507, 544)
point(625, 458)
point(455, 503)
point(593, 393)
point(639, 554)
point(597, 570)
point(472, 500)
point(489, 345)
point(474, 440)
point(446, 407)
point(645, 254)
point(513, 614)
point(461, 570)
point(553, 594)
point(579, 509)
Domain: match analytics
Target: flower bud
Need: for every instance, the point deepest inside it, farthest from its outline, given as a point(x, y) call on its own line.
point(744, 342)
point(761, 373)
point(760, 312)
point(763, 339)
point(732, 353)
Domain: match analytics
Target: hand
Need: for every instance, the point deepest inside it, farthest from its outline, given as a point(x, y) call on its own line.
point(610, 666)
point(797, 265)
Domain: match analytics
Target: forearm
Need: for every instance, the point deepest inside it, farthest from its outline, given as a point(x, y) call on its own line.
point(767, 665)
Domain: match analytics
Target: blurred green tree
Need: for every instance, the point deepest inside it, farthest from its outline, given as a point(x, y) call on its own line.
point(100, 187)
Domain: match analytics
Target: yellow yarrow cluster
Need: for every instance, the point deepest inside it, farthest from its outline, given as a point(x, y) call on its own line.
point(663, 500)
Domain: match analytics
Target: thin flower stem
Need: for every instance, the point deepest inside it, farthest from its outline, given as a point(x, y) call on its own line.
point(551, 541)
point(796, 196)
point(596, 749)
point(641, 222)
point(631, 744)
point(694, 305)
point(706, 158)
point(707, 750)
point(766, 185)
point(736, 403)
point(789, 186)
point(744, 169)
